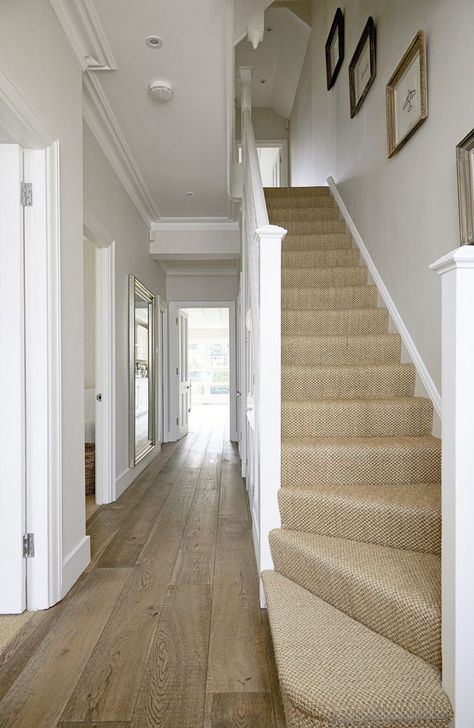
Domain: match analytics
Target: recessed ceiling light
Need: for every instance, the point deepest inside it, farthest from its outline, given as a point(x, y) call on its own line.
point(263, 80)
point(153, 41)
point(189, 194)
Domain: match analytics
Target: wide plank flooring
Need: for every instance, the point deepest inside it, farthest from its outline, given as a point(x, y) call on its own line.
point(164, 629)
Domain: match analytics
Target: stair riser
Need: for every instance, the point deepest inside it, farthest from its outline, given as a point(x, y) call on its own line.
point(314, 243)
point(329, 298)
point(355, 276)
point(349, 382)
point(283, 217)
point(319, 258)
point(296, 192)
point(306, 466)
point(310, 227)
point(335, 323)
point(341, 350)
point(298, 203)
point(416, 627)
point(394, 525)
point(343, 418)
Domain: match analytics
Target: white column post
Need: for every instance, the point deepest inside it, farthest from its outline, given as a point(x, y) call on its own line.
point(457, 281)
point(269, 385)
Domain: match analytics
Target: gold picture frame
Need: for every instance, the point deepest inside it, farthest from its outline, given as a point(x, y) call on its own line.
point(407, 95)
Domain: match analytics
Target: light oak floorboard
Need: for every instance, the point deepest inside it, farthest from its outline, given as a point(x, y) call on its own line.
point(239, 710)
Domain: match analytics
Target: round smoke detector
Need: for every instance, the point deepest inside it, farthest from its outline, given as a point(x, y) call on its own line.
point(161, 90)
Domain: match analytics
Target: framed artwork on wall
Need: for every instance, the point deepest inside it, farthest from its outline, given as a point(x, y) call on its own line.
point(335, 48)
point(407, 96)
point(362, 69)
point(465, 169)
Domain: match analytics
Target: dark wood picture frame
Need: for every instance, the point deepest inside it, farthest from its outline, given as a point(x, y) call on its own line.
point(415, 50)
point(465, 173)
point(368, 36)
point(336, 27)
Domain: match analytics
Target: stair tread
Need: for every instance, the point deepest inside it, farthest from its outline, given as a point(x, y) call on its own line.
point(401, 516)
point(363, 442)
point(394, 592)
point(338, 672)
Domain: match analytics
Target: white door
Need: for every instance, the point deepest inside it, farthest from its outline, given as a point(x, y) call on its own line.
point(12, 383)
point(183, 374)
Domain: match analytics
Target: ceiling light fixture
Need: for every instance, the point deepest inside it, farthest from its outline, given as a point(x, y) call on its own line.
point(153, 41)
point(161, 90)
point(189, 194)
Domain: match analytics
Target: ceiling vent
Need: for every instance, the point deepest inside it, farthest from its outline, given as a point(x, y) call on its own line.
point(161, 90)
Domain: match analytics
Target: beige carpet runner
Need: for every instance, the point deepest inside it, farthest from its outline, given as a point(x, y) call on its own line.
point(354, 601)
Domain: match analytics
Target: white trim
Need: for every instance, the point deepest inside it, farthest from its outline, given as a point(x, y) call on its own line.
point(173, 307)
point(43, 377)
point(75, 563)
point(187, 224)
point(105, 368)
point(103, 124)
point(163, 389)
point(202, 272)
point(19, 119)
point(413, 352)
point(84, 31)
point(129, 474)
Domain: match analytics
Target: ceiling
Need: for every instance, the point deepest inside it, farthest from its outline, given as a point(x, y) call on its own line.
point(172, 143)
point(277, 62)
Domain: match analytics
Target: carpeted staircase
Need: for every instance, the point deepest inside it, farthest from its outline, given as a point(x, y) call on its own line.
point(354, 601)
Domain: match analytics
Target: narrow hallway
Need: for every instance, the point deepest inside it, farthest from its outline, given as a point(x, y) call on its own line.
point(164, 628)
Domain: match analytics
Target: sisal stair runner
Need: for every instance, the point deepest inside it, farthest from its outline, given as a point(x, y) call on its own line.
point(354, 602)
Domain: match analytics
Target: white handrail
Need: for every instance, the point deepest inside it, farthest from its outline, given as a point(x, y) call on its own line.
point(261, 301)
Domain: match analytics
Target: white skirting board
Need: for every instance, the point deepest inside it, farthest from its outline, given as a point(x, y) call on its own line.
point(74, 564)
point(129, 475)
point(408, 342)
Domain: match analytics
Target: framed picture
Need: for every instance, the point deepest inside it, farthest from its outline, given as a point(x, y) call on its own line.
point(335, 48)
point(465, 168)
point(362, 67)
point(407, 97)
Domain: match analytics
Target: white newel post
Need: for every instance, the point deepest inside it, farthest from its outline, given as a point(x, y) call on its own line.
point(269, 385)
point(457, 281)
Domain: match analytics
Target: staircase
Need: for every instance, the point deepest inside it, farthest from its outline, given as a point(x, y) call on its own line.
point(354, 601)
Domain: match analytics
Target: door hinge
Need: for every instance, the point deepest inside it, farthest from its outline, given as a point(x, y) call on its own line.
point(177, 420)
point(28, 545)
point(176, 322)
point(26, 189)
point(177, 370)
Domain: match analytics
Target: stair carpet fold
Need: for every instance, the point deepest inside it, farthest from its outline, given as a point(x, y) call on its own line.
point(354, 601)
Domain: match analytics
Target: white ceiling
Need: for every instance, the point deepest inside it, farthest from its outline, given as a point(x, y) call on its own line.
point(208, 318)
point(179, 146)
point(277, 61)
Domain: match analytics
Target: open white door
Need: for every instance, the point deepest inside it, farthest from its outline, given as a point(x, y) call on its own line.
point(183, 375)
point(12, 383)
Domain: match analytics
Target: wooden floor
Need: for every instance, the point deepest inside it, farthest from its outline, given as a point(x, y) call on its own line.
point(164, 628)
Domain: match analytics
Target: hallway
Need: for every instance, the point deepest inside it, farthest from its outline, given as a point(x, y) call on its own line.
point(164, 628)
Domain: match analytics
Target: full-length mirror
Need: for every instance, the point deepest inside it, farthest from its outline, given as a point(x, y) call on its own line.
point(141, 370)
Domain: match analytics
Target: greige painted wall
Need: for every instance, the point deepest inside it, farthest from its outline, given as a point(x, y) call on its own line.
point(52, 86)
point(404, 208)
point(202, 288)
point(105, 198)
point(267, 124)
point(89, 314)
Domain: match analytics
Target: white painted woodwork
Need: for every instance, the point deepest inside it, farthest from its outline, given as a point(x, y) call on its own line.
point(12, 384)
point(184, 385)
point(261, 257)
point(457, 295)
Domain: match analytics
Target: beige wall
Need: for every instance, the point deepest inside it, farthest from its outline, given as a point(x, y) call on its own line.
point(106, 199)
point(202, 288)
point(404, 208)
point(267, 124)
point(52, 86)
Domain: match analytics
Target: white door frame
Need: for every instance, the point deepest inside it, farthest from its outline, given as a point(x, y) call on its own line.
point(41, 481)
point(105, 406)
point(163, 389)
point(173, 307)
point(283, 144)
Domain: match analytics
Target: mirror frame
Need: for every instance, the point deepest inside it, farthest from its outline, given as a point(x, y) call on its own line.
point(135, 286)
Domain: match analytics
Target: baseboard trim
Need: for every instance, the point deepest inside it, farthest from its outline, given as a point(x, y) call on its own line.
point(408, 342)
point(128, 476)
point(74, 564)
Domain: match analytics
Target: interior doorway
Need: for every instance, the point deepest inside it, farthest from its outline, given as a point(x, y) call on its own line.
point(202, 352)
point(273, 161)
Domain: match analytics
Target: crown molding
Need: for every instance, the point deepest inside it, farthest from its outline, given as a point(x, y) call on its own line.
point(188, 224)
point(103, 124)
point(84, 31)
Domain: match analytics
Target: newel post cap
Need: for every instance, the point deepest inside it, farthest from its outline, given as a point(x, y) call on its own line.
point(271, 231)
point(462, 257)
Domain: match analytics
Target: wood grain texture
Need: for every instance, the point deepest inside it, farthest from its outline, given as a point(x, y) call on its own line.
point(239, 710)
point(177, 638)
point(173, 690)
point(38, 695)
